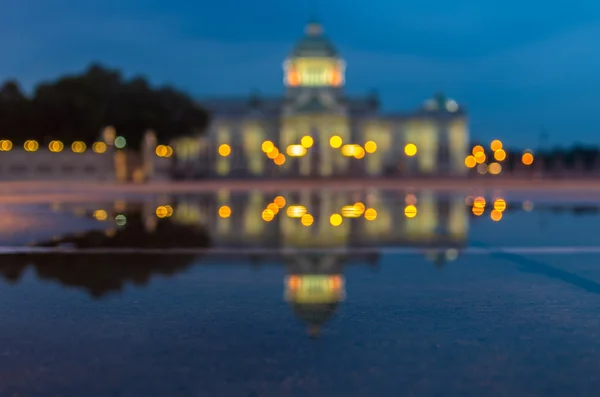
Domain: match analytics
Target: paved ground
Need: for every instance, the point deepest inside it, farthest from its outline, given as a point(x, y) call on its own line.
point(36, 191)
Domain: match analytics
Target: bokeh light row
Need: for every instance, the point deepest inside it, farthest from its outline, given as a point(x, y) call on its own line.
point(58, 146)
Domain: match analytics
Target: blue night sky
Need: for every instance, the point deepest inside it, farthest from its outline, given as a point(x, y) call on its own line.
point(519, 66)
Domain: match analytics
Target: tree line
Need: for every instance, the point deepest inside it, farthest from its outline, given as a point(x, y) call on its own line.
point(78, 107)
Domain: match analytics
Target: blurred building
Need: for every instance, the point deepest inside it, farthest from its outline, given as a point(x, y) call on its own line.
point(316, 105)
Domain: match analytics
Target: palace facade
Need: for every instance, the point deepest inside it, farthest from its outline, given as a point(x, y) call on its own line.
point(317, 130)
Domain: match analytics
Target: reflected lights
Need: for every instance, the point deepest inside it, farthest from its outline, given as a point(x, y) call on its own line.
point(370, 214)
point(296, 150)
point(500, 205)
point(279, 201)
point(307, 219)
point(479, 202)
point(496, 215)
point(370, 147)
point(280, 159)
point(350, 150)
point(410, 211)
point(224, 212)
point(296, 211)
point(267, 146)
point(268, 215)
point(335, 141)
point(224, 150)
point(359, 207)
point(335, 219)
point(100, 215)
point(306, 142)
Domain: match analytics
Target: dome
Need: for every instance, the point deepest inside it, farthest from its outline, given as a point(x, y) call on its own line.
point(314, 44)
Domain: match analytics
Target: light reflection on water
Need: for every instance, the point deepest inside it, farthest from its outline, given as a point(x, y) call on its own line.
point(323, 322)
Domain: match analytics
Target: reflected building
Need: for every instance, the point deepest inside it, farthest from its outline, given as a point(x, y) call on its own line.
point(319, 118)
point(315, 286)
point(440, 221)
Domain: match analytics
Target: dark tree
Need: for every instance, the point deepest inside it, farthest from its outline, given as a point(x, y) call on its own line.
point(77, 107)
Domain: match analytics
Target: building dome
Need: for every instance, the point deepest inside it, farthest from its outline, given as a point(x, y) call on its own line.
point(314, 44)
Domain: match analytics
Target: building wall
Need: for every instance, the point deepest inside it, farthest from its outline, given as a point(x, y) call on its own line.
point(442, 146)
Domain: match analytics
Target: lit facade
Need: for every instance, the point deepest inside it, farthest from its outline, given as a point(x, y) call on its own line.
point(316, 130)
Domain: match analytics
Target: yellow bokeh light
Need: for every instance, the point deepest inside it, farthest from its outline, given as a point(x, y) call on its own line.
point(307, 142)
point(296, 211)
point(527, 158)
point(478, 210)
point(410, 211)
point(370, 147)
point(78, 147)
point(169, 210)
point(161, 211)
point(500, 205)
point(99, 147)
point(360, 152)
point(410, 149)
point(480, 157)
point(360, 207)
point(296, 150)
point(100, 215)
point(479, 202)
point(496, 145)
point(500, 155)
point(335, 219)
point(224, 150)
point(5, 145)
point(56, 146)
point(267, 146)
point(169, 151)
point(280, 159)
point(370, 214)
point(477, 149)
point(273, 153)
point(335, 141)
point(494, 168)
point(307, 219)
point(273, 207)
point(161, 150)
point(268, 215)
point(279, 201)
point(224, 212)
point(470, 161)
point(31, 146)
point(350, 211)
point(349, 150)
point(496, 215)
